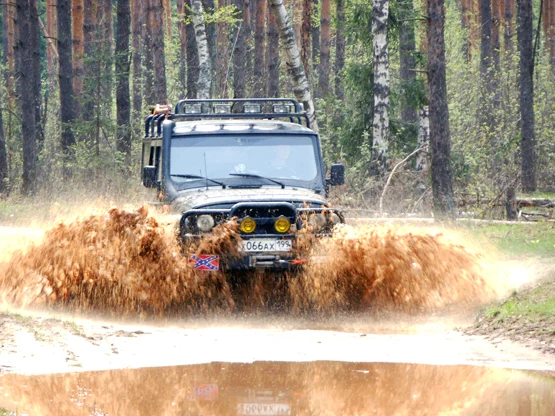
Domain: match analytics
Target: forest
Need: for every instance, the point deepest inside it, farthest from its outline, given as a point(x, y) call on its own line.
point(441, 103)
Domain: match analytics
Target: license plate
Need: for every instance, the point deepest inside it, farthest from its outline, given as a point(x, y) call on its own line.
point(264, 409)
point(265, 245)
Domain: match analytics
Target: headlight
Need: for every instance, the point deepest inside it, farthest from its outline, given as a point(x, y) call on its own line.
point(282, 225)
point(248, 225)
point(317, 220)
point(205, 223)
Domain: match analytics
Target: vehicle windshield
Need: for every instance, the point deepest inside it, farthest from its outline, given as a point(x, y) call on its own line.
point(291, 157)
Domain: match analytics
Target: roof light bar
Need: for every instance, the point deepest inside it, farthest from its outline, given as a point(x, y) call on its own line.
point(283, 108)
point(193, 108)
point(222, 108)
point(252, 108)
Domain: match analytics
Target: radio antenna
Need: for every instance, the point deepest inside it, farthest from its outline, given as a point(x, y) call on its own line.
point(205, 171)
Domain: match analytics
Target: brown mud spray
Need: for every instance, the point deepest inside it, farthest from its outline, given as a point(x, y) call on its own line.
point(129, 263)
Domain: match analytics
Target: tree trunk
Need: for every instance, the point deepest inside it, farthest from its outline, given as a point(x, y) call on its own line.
point(259, 84)
point(209, 6)
point(8, 14)
point(7, 44)
point(192, 57)
point(205, 69)
point(106, 28)
point(27, 55)
point(123, 103)
point(440, 135)
point(222, 54)
point(380, 130)
point(496, 36)
point(423, 138)
point(508, 33)
point(65, 75)
point(526, 85)
point(340, 45)
point(486, 59)
point(158, 55)
point(295, 68)
point(305, 35)
point(182, 31)
point(78, 45)
point(3, 159)
point(239, 53)
point(324, 67)
point(51, 50)
point(272, 59)
point(549, 30)
point(407, 49)
point(136, 23)
point(466, 24)
point(315, 34)
point(92, 69)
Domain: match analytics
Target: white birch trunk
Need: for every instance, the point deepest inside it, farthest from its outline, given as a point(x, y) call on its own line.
point(205, 67)
point(295, 66)
point(380, 130)
point(423, 138)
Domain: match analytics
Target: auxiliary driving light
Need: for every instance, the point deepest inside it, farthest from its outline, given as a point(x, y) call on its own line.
point(248, 225)
point(317, 220)
point(282, 225)
point(205, 223)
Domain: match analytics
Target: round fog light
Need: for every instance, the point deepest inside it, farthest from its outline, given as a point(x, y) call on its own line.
point(205, 223)
point(248, 225)
point(282, 225)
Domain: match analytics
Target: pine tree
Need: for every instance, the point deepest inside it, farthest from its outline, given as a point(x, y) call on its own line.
point(123, 102)
point(526, 85)
point(440, 135)
point(65, 74)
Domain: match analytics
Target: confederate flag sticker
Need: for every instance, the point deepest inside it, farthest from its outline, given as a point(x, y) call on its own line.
point(206, 262)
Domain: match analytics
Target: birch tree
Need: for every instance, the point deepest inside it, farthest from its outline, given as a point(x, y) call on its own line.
point(205, 67)
point(380, 128)
point(295, 67)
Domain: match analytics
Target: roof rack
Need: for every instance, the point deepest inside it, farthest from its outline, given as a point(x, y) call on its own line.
point(232, 108)
point(242, 108)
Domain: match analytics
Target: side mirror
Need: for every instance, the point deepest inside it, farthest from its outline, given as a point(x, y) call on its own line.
point(337, 174)
point(149, 176)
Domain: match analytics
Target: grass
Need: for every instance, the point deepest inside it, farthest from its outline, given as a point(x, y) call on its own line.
point(519, 239)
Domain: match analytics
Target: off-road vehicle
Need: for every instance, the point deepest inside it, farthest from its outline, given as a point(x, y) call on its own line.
point(253, 161)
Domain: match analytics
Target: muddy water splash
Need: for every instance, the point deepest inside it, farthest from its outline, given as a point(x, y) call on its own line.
point(392, 268)
point(128, 262)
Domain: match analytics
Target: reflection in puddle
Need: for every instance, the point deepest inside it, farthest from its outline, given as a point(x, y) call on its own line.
point(273, 388)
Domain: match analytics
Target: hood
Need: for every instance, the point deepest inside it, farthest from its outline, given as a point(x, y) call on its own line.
point(214, 197)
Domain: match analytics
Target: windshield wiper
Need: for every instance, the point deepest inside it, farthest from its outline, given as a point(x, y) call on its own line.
point(189, 176)
point(252, 175)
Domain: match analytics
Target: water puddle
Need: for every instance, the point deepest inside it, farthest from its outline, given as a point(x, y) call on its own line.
point(277, 388)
